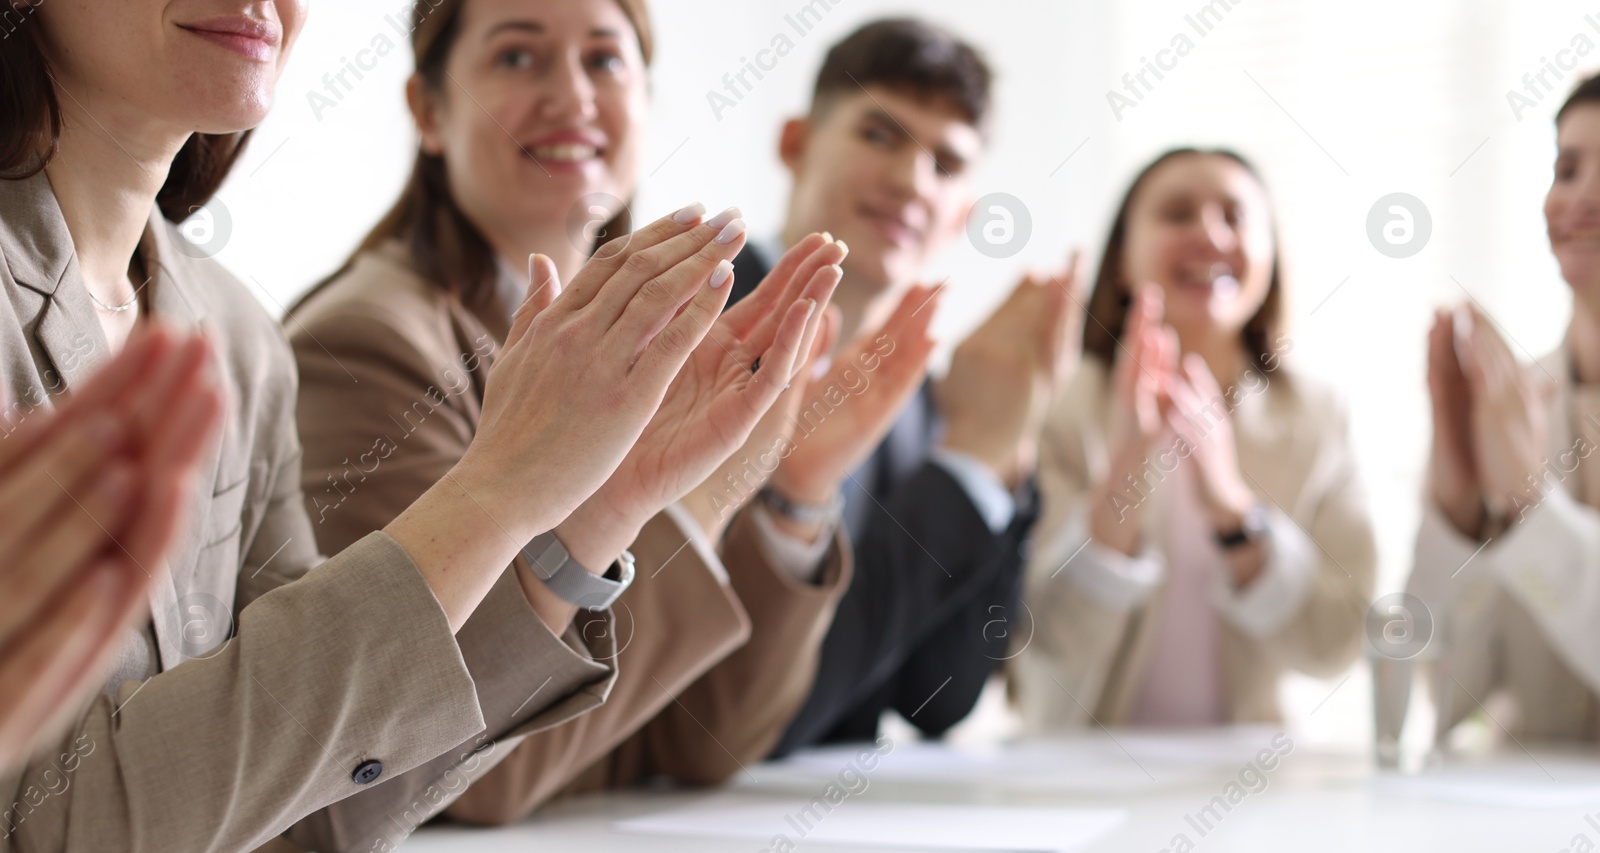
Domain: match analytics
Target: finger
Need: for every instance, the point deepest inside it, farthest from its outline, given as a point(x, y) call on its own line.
point(53, 657)
point(664, 351)
point(778, 362)
point(811, 281)
point(701, 276)
point(610, 257)
point(544, 285)
point(827, 337)
point(647, 272)
point(827, 279)
point(192, 358)
point(59, 551)
point(121, 377)
point(40, 487)
point(195, 420)
point(775, 288)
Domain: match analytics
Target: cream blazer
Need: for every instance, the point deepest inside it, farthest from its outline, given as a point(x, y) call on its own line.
point(264, 685)
point(1094, 611)
point(1518, 618)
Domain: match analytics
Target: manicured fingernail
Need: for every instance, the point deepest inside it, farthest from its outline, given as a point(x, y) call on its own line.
point(689, 214)
point(722, 274)
point(722, 219)
point(731, 232)
point(811, 308)
point(844, 247)
point(827, 235)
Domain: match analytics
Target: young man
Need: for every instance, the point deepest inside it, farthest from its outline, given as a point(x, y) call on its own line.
point(932, 483)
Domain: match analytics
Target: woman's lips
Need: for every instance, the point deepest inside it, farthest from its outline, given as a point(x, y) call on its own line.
point(256, 40)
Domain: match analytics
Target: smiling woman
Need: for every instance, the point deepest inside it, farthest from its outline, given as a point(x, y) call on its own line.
point(114, 120)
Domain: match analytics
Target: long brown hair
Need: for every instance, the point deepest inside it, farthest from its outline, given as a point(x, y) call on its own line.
point(30, 125)
point(444, 245)
point(1110, 297)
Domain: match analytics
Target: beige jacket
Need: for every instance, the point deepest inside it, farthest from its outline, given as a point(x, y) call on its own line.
point(222, 744)
point(1520, 618)
point(1095, 610)
point(714, 659)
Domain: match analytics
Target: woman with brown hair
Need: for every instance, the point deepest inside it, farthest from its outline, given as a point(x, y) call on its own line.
point(1203, 529)
point(530, 115)
point(262, 698)
point(1507, 558)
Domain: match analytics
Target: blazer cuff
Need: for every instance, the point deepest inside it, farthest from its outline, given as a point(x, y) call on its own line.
point(1528, 559)
point(695, 538)
point(1269, 604)
point(800, 560)
point(1111, 579)
point(528, 678)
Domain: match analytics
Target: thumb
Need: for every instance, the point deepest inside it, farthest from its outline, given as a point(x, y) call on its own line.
point(544, 285)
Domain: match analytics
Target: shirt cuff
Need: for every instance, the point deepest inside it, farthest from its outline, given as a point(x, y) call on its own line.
point(1270, 603)
point(1524, 559)
point(795, 557)
point(697, 540)
point(983, 487)
point(1110, 578)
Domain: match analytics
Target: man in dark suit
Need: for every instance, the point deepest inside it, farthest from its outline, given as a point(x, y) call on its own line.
point(936, 481)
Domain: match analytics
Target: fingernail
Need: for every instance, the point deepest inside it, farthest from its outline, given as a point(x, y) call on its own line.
point(845, 247)
point(811, 308)
point(722, 273)
point(731, 232)
point(828, 235)
point(689, 214)
point(722, 219)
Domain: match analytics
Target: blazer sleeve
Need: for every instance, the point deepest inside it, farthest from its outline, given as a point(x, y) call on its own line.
point(382, 422)
point(924, 554)
point(1329, 543)
point(673, 623)
point(733, 715)
point(1452, 578)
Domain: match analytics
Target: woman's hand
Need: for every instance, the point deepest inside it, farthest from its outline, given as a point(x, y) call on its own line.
point(731, 381)
point(1453, 468)
point(93, 495)
point(567, 399)
point(1148, 356)
point(719, 498)
point(1508, 424)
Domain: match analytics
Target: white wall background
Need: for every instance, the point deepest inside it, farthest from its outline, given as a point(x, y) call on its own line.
point(1340, 104)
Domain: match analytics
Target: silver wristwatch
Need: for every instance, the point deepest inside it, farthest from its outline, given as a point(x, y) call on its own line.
point(802, 513)
point(549, 561)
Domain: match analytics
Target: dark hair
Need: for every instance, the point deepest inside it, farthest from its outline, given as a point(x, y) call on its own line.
point(909, 56)
point(445, 247)
point(1110, 297)
point(30, 127)
point(1586, 92)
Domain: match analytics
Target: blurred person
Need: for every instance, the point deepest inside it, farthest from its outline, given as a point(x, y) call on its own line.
point(933, 482)
point(1204, 530)
point(1508, 554)
point(262, 698)
point(531, 115)
point(93, 505)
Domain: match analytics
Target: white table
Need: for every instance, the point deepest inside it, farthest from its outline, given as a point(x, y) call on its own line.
point(1313, 801)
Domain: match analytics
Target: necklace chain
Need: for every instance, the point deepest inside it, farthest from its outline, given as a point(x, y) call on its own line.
point(118, 309)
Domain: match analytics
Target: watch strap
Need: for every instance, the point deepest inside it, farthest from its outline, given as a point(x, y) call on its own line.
point(549, 561)
point(802, 513)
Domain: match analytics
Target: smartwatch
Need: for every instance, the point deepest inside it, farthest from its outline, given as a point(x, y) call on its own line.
point(549, 561)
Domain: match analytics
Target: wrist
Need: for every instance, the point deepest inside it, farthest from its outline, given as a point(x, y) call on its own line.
point(595, 536)
point(812, 491)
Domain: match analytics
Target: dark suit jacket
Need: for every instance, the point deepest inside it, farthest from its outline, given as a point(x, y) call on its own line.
point(929, 614)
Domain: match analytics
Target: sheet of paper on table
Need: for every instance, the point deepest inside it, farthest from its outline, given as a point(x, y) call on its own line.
point(1123, 762)
point(890, 825)
point(1549, 785)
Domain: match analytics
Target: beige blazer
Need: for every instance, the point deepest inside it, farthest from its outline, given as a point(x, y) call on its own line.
point(1095, 610)
point(710, 669)
point(219, 743)
point(1516, 620)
